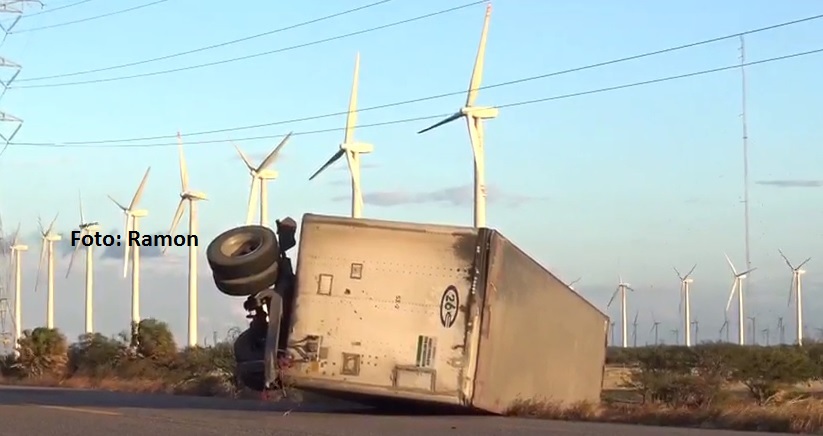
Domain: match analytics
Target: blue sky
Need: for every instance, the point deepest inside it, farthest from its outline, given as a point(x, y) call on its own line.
point(630, 182)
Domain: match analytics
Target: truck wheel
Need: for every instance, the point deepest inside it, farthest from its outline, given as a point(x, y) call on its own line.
point(249, 346)
point(242, 252)
point(246, 286)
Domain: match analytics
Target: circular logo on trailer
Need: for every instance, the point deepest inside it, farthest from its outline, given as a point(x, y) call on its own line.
point(449, 303)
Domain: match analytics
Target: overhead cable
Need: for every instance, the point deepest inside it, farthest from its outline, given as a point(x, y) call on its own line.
point(438, 116)
point(461, 92)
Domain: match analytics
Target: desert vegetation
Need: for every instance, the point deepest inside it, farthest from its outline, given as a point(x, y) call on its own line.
point(712, 385)
point(151, 362)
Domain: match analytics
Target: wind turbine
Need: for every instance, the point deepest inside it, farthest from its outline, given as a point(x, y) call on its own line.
point(685, 288)
point(753, 319)
point(621, 288)
point(634, 328)
point(737, 285)
point(796, 287)
point(132, 216)
point(611, 332)
point(676, 333)
point(781, 330)
point(17, 250)
point(725, 327)
point(655, 325)
point(767, 335)
point(47, 250)
point(190, 197)
point(696, 325)
point(474, 119)
point(351, 149)
point(86, 228)
point(260, 175)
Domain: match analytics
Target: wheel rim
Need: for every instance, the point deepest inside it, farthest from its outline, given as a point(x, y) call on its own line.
point(240, 245)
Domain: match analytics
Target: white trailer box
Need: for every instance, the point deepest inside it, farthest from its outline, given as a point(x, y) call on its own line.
point(453, 315)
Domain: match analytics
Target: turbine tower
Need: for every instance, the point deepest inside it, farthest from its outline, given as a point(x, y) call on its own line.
point(474, 119)
point(685, 290)
point(47, 250)
point(260, 175)
point(17, 250)
point(737, 286)
point(131, 225)
point(190, 197)
point(622, 287)
point(351, 149)
point(796, 288)
point(655, 328)
point(86, 228)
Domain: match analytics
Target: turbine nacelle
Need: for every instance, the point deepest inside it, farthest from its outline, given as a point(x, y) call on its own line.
point(480, 112)
point(265, 174)
point(52, 237)
point(19, 247)
point(357, 147)
point(90, 227)
point(800, 271)
point(138, 213)
point(193, 195)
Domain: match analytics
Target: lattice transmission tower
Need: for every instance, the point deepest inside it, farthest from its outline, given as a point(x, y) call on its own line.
point(11, 11)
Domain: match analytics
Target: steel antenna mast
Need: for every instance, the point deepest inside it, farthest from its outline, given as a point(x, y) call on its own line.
point(745, 152)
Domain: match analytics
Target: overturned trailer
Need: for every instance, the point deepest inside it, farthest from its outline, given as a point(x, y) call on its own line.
point(381, 309)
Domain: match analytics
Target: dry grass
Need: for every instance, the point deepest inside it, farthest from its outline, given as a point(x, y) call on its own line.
point(804, 416)
point(204, 386)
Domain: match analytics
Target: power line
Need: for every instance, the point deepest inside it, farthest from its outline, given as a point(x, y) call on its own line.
point(259, 54)
point(210, 47)
point(449, 94)
point(83, 20)
point(438, 116)
point(70, 5)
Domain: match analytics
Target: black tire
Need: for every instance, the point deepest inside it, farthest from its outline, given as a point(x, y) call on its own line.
point(249, 346)
point(242, 252)
point(243, 287)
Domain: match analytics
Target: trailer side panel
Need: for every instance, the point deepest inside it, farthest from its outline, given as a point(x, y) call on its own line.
point(385, 304)
point(539, 340)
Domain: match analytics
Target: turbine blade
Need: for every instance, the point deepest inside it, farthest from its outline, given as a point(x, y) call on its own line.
point(351, 116)
point(447, 120)
point(184, 172)
point(791, 287)
point(804, 262)
point(243, 157)
point(254, 193)
point(51, 225)
point(690, 272)
point(139, 193)
point(273, 155)
point(785, 259)
point(80, 202)
point(74, 254)
point(747, 271)
point(636, 314)
point(117, 203)
point(16, 234)
point(611, 300)
point(333, 159)
point(731, 294)
point(731, 265)
point(40, 263)
point(477, 72)
point(679, 276)
point(178, 214)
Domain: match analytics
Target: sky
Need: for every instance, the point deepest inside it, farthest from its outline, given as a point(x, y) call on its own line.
point(627, 182)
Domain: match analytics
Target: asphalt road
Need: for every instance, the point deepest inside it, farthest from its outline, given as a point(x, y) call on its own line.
point(68, 412)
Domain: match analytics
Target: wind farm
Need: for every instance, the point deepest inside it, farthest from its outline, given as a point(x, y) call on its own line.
point(365, 241)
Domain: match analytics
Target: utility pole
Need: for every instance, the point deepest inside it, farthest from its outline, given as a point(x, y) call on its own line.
point(15, 8)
